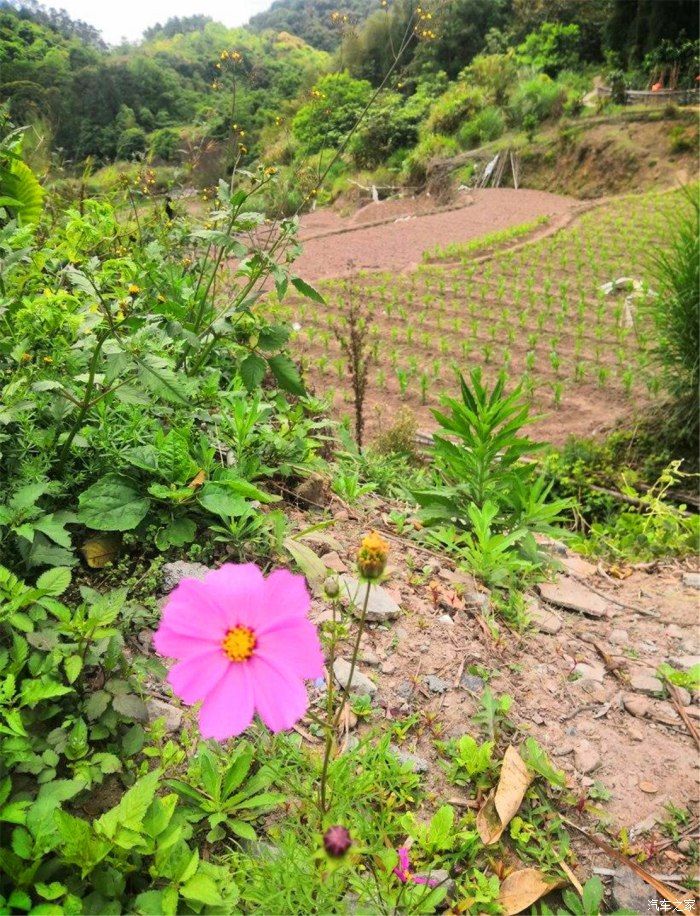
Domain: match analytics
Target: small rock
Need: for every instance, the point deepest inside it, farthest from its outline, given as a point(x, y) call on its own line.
point(636, 705)
point(441, 877)
point(472, 682)
point(650, 788)
point(369, 658)
point(159, 709)
point(405, 690)
point(416, 763)
point(316, 489)
point(619, 637)
point(630, 893)
point(674, 631)
point(586, 757)
point(558, 548)
point(381, 607)
point(643, 827)
point(446, 619)
point(436, 684)
point(361, 684)
point(664, 713)
point(388, 668)
point(350, 744)
point(545, 621)
point(174, 573)
point(646, 683)
point(587, 672)
point(684, 696)
point(691, 579)
point(332, 560)
point(685, 662)
point(685, 845)
point(476, 599)
point(563, 750)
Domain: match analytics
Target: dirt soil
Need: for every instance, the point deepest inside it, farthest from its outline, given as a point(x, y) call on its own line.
point(336, 246)
point(582, 686)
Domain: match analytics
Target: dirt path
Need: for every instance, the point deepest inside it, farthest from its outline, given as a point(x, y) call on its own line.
point(392, 235)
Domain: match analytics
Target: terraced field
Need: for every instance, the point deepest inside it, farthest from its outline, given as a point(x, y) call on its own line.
point(542, 312)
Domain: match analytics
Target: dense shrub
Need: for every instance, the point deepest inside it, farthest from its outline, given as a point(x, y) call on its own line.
point(387, 128)
point(488, 125)
point(131, 143)
point(336, 102)
point(553, 47)
point(495, 74)
point(536, 100)
point(460, 103)
point(432, 146)
point(165, 143)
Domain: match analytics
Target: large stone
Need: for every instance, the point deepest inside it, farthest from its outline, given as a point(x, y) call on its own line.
point(174, 573)
point(417, 764)
point(381, 607)
point(572, 596)
point(691, 579)
point(472, 683)
point(361, 684)
point(686, 662)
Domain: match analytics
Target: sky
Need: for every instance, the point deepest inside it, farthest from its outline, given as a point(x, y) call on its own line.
point(118, 19)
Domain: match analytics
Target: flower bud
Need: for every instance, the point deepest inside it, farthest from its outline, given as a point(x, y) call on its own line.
point(331, 587)
point(372, 555)
point(337, 841)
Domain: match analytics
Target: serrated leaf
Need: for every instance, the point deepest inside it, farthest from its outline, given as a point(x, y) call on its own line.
point(286, 374)
point(305, 289)
point(54, 581)
point(130, 706)
point(253, 369)
point(132, 808)
point(203, 889)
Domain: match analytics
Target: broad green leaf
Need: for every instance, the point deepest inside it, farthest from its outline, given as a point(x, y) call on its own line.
point(253, 370)
point(112, 504)
point(202, 889)
point(305, 289)
point(131, 810)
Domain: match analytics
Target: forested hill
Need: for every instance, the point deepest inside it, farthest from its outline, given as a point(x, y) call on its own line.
point(319, 22)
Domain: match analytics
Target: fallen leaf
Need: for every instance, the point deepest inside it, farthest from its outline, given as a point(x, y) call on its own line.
point(503, 804)
point(649, 787)
point(197, 480)
point(523, 888)
point(101, 550)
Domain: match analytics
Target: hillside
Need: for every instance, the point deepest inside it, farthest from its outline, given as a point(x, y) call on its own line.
point(321, 23)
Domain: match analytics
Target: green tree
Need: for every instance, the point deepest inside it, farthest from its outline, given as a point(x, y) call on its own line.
point(336, 102)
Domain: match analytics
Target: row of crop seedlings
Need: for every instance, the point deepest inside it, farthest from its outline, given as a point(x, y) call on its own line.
point(538, 312)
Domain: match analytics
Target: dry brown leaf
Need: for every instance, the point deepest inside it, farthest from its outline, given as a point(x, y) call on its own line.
point(101, 550)
point(197, 480)
point(523, 888)
point(502, 805)
point(649, 787)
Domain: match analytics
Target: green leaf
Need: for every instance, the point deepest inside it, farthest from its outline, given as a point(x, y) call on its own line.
point(241, 829)
point(55, 581)
point(54, 527)
point(112, 504)
point(286, 374)
point(305, 289)
point(308, 562)
point(43, 688)
point(131, 707)
point(229, 497)
point(19, 900)
point(252, 371)
point(50, 891)
point(132, 808)
point(203, 889)
point(177, 533)
point(73, 665)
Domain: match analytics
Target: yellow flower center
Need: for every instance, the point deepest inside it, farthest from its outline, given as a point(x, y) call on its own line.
point(239, 644)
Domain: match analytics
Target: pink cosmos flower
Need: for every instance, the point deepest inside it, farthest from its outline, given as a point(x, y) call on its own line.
point(404, 873)
point(244, 645)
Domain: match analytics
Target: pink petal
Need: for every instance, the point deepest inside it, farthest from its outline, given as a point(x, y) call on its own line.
point(285, 596)
point(404, 861)
point(239, 589)
point(293, 643)
point(280, 697)
point(228, 709)
point(196, 676)
point(176, 645)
